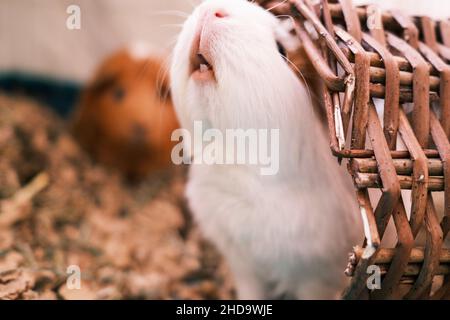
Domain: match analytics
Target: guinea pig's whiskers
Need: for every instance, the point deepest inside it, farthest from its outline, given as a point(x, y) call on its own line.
point(174, 25)
point(277, 5)
point(291, 63)
point(175, 13)
point(301, 75)
point(161, 76)
point(194, 3)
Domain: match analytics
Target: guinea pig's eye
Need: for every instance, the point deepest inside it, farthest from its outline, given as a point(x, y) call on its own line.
point(118, 94)
point(281, 49)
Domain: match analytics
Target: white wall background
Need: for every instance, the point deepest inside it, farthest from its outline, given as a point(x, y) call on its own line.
point(34, 37)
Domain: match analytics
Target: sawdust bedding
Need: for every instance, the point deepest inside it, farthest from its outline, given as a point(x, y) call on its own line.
point(58, 209)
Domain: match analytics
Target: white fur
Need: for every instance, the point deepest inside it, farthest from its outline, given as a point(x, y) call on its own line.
point(286, 235)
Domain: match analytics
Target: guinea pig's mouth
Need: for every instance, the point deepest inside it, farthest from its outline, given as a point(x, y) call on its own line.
point(201, 69)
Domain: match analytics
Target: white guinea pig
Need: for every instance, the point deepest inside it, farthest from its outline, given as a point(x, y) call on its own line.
point(285, 235)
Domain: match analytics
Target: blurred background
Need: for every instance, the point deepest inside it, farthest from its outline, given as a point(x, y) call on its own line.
point(86, 181)
point(90, 205)
point(35, 39)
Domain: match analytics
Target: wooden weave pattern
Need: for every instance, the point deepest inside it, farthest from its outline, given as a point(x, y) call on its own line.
point(362, 53)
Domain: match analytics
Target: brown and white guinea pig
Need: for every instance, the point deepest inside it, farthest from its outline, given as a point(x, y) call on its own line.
point(126, 118)
point(284, 233)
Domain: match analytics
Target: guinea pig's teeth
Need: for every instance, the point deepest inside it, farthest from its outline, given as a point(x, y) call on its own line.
point(203, 67)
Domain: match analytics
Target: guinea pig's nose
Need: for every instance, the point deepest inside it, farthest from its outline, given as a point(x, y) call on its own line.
point(138, 133)
point(220, 14)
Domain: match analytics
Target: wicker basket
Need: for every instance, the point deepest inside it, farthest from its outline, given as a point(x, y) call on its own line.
point(360, 54)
